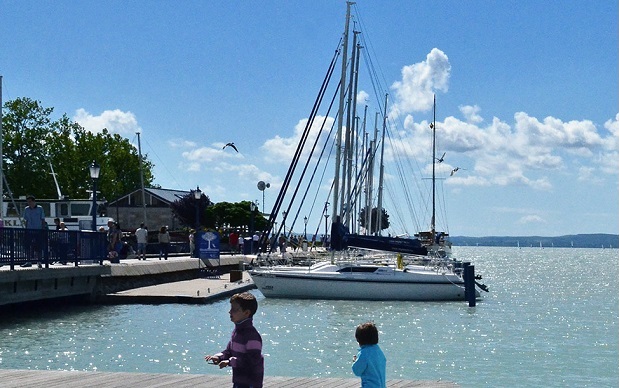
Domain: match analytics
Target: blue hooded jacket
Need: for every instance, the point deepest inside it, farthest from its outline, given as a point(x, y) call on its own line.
point(371, 366)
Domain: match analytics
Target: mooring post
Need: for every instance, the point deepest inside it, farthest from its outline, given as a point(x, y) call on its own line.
point(469, 284)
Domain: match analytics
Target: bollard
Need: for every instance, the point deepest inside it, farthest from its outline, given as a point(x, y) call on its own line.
point(469, 284)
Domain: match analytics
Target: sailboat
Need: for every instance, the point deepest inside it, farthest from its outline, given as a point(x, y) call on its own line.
point(362, 266)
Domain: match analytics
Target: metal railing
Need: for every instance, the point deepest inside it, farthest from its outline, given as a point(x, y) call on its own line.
point(25, 247)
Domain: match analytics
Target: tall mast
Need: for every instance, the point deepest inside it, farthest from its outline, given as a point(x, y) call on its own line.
point(379, 208)
point(335, 209)
point(142, 179)
point(433, 224)
point(349, 145)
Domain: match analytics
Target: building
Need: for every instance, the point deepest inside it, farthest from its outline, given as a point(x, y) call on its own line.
point(129, 211)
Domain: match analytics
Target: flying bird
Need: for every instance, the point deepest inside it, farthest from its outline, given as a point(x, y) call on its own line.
point(230, 145)
point(455, 170)
point(442, 158)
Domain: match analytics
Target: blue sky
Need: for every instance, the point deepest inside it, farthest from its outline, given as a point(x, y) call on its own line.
point(527, 93)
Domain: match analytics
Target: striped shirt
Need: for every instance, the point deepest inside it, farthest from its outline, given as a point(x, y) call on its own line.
point(245, 354)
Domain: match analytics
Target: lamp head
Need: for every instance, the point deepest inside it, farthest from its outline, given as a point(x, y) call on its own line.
point(95, 169)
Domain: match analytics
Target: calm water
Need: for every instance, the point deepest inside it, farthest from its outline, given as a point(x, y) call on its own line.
point(551, 319)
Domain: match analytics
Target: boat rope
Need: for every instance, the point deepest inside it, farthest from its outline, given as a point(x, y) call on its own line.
point(289, 174)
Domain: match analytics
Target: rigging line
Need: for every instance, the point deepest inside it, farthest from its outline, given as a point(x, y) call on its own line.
point(403, 179)
point(300, 149)
point(165, 165)
point(309, 159)
point(359, 182)
point(278, 202)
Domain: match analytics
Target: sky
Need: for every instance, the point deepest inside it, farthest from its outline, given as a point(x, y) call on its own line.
point(527, 94)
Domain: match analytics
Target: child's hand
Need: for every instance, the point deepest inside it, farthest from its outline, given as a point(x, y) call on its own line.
point(223, 364)
point(213, 359)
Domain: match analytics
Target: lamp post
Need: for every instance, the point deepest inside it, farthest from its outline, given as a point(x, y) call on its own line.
point(305, 228)
point(252, 215)
point(326, 225)
point(95, 169)
point(197, 195)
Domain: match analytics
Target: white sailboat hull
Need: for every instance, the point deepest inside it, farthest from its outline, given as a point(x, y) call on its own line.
point(388, 283)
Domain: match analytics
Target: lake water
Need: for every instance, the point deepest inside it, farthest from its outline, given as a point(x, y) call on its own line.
point(551, 319)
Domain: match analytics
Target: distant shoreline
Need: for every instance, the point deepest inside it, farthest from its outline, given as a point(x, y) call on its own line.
point(596, 240)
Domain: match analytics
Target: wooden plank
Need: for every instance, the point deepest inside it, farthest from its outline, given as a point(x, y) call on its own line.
point(77, 379)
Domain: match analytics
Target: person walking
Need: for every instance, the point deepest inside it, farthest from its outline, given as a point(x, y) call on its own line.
point(164, 242)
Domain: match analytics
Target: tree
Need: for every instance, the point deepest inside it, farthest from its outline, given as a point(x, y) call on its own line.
point(374, 219)
point(236, 215)
point(33, 142)
point(185, 210)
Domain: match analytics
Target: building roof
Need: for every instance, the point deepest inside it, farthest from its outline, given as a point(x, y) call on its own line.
point(165, 195)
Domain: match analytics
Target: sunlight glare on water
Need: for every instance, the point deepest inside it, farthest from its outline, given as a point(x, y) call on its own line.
point(551, 319)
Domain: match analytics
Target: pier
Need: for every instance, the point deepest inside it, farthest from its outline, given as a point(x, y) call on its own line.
point(77, 379)
point(180, 279)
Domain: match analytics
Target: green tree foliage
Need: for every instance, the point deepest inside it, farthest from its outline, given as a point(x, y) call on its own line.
point(185, 210)
point(374, 217)
point(33, 141)
point(227, 215)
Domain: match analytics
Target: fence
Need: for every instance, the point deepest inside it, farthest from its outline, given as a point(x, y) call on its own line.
point(23, 247)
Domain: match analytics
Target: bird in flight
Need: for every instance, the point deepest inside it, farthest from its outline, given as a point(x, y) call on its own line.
point(442, 158)
point(230, 145)
point(455, 170)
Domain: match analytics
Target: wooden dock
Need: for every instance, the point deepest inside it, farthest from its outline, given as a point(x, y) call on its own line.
point(11, 378)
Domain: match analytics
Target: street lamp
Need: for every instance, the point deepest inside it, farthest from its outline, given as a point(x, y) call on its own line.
point(305, 228)
point(95, 169)
point(197, 195)
point(326, 225)
point(252, 214)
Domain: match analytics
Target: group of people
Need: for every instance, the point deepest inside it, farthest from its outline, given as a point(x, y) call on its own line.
point(244, 350)
point(163, 238)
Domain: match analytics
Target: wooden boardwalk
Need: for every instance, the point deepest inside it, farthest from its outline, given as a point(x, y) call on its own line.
point(10, 378)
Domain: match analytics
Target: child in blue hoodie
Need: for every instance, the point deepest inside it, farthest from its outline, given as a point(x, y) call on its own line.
point(370, 363)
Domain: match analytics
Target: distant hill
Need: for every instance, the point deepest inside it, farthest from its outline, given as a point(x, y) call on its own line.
point(599, 240)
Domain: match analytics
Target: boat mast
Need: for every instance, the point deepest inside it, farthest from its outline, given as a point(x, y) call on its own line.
point(142, 180)
point(379, 207)
point(337, 206)
point(58, 191)
point(351, 132)
point(433, 223)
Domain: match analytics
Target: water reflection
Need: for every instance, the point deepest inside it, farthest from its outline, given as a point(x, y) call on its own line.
point(543, 307)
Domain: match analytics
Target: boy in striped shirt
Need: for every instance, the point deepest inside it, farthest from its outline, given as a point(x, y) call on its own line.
point(244, 351)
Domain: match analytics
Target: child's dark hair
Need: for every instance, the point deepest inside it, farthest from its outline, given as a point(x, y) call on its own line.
point(367, 334)
point(246, 301)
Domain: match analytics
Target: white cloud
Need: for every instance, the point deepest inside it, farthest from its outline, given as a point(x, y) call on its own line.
point(415, 92)
point(471, 113)
point(181, 143)
point(281, 149)
point(532, 219)
point(116, 121)
point(362, 97)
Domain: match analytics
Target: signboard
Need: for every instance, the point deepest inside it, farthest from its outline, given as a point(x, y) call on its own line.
point(207, 245)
